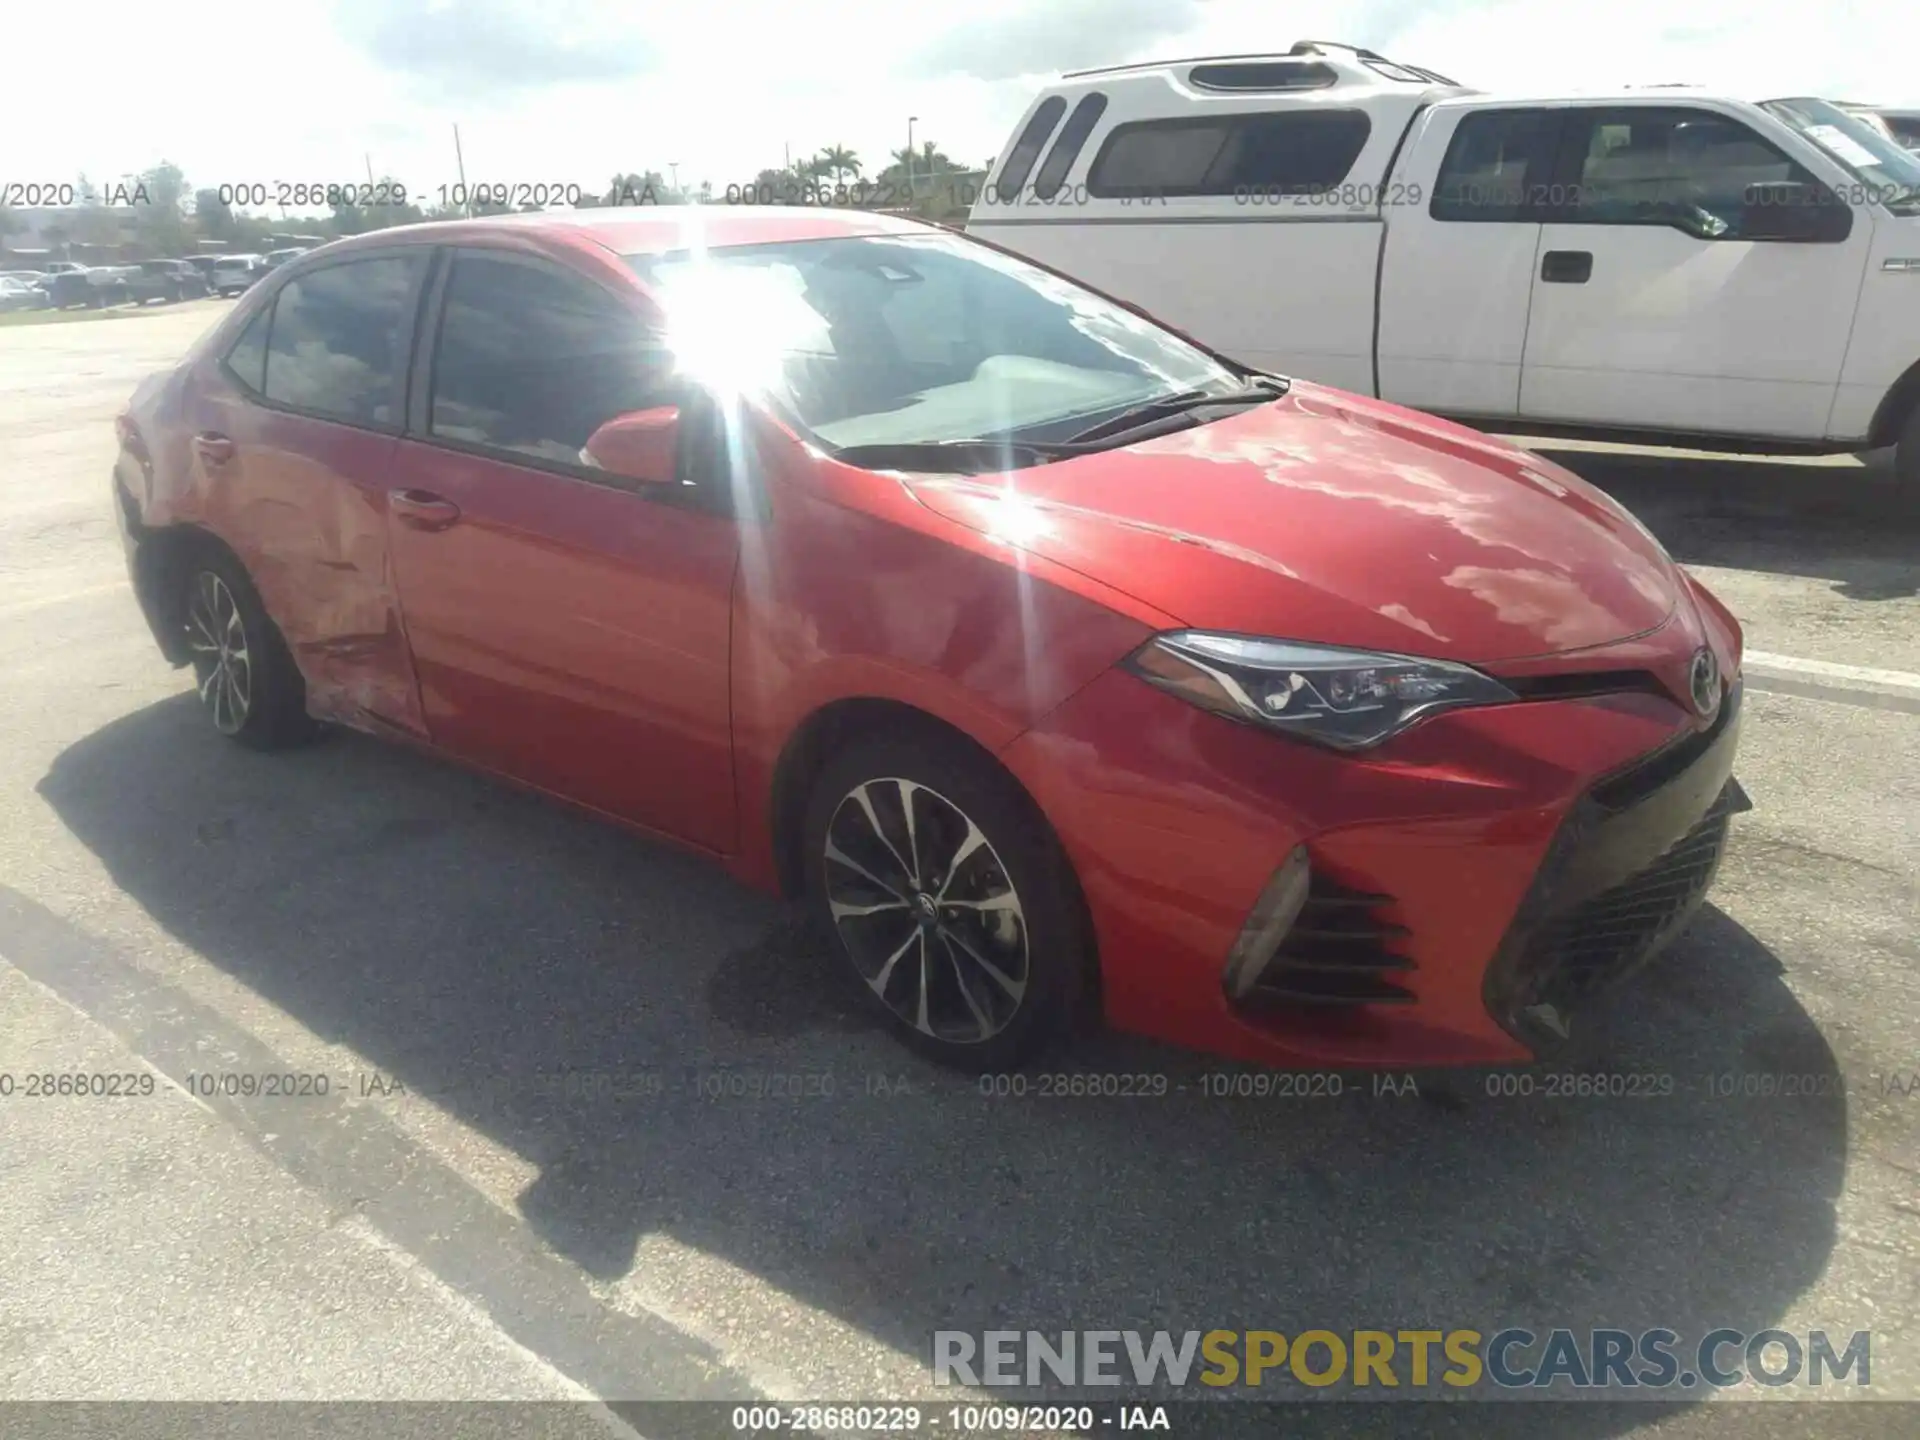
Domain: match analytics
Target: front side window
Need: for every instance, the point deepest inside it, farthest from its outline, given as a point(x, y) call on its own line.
point(1294, 152)
point(882, 340)
point(1691, 169)
point(338, 342)
point(533, 360)
point(1496, 166)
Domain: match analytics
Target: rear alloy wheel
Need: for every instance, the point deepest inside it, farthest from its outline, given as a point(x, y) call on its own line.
point(248, 683)
point(949, 898)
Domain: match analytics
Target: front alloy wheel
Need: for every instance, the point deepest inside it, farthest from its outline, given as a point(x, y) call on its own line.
point(947, 892)
point(926, 910)
point(222, 658)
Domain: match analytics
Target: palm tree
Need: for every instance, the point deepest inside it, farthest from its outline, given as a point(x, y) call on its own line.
point(837, 161)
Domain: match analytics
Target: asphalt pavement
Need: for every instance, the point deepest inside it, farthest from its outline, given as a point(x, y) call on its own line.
point(527, 1142)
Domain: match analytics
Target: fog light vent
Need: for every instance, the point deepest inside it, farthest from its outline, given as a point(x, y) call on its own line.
point(1313, 941)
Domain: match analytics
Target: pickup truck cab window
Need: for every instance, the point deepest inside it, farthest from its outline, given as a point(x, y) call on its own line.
point(1497, 166)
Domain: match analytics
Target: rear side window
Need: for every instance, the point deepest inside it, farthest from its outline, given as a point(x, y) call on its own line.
point(1066, 150)
point(1496, 166)
point(533, 360)
point(248, 357)
point(338, 342)
point(1026, 149)
point(1299, 152)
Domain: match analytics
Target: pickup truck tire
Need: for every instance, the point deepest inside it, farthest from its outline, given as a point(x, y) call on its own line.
point(1906, 465)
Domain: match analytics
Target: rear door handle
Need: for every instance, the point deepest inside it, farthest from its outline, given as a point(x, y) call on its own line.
point(422, 509)
point(213, 447)
point(1566, 267)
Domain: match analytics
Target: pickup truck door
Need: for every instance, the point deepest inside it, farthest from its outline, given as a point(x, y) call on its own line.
point(1651, 311)
point(1462, 236)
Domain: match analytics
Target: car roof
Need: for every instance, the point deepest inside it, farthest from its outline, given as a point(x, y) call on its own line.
point(653, 229)
point(1622, 94)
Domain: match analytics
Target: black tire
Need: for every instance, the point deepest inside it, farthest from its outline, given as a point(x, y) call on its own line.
point(271, 713)
point(1906, 466)
point(959, 958)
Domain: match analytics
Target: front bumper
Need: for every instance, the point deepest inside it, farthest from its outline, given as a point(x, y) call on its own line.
point(1630, 865)
point(1481, 858)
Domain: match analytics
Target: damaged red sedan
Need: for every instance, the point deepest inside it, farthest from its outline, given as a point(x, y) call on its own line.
point(1065, 667)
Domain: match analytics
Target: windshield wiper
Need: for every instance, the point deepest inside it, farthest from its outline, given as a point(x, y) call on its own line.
point(972, 453)
point(1259, 390)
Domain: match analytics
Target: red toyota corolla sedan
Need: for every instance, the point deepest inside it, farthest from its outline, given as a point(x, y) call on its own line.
point(1064, 666)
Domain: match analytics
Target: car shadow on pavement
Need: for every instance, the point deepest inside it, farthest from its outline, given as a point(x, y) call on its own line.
point(1784, 517)
point(474, 942)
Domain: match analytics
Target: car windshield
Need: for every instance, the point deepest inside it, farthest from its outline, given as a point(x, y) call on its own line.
point(1890, 174)
point(907, 340)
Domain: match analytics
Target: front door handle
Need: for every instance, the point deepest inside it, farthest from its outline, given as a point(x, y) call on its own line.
point(213, 447)
point(1566, 267)
point(422, 509)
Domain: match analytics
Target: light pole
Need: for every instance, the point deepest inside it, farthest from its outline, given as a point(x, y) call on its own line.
point(910, 194)
point(674, 166)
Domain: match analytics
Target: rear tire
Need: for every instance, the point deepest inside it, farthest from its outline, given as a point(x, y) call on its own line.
point(965, 932)
point(248, 683)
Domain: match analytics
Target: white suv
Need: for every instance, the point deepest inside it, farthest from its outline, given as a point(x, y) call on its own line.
point(232, 274)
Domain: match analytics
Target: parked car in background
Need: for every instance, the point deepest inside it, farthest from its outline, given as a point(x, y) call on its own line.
point(37, 278)
point(1064, 665)
point(164, 280)
point(277, 258)
point(66, 289)
point(1673, 266)
point(204, 264)
point(233, 274)
point(21, 295)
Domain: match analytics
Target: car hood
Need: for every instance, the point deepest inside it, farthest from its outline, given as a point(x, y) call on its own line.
point(1332, 518)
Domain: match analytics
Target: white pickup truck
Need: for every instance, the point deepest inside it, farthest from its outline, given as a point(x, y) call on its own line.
point(1666, 265)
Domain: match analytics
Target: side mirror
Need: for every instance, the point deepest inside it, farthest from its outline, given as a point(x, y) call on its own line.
point(640, 445)
point(1795, 212)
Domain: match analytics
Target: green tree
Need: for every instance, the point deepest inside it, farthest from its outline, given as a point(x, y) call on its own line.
point(214, 218)
point(836, 161)
point(159, 214)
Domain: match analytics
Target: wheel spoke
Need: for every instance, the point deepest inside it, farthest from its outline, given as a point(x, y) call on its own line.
point(921, 1019)
point(840, 857)
point(207, 680)
point(1008, 902)
point(971, 842)
point(843, 911)
point(907, 789)
point(966, 994)
point(1014, 988)
point(879, 982)
point(873, 819)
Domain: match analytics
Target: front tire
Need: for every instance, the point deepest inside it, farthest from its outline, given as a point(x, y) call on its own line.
point(950, 903)
point(245, 675)
point(1906, 466)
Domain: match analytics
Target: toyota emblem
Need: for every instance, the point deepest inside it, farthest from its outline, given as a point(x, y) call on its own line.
point(1704, 680)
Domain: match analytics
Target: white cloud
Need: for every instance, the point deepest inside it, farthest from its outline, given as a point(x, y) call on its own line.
point(574, 90)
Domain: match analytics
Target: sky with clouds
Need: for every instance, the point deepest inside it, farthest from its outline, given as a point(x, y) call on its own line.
point(575, 90)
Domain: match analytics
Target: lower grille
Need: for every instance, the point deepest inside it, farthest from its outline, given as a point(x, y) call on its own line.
point(1605, 938)
point(1338, 952)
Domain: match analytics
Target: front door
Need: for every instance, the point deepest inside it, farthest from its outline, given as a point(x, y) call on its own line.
point(570, 629)
point(1649, 308)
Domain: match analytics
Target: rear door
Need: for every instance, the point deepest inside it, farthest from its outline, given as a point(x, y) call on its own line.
point(1650, 310)
point(298, 444)
point(1463, 229)
point(571, 628)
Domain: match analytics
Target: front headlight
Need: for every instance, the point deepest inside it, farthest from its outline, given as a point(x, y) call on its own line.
point(1348, 699)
